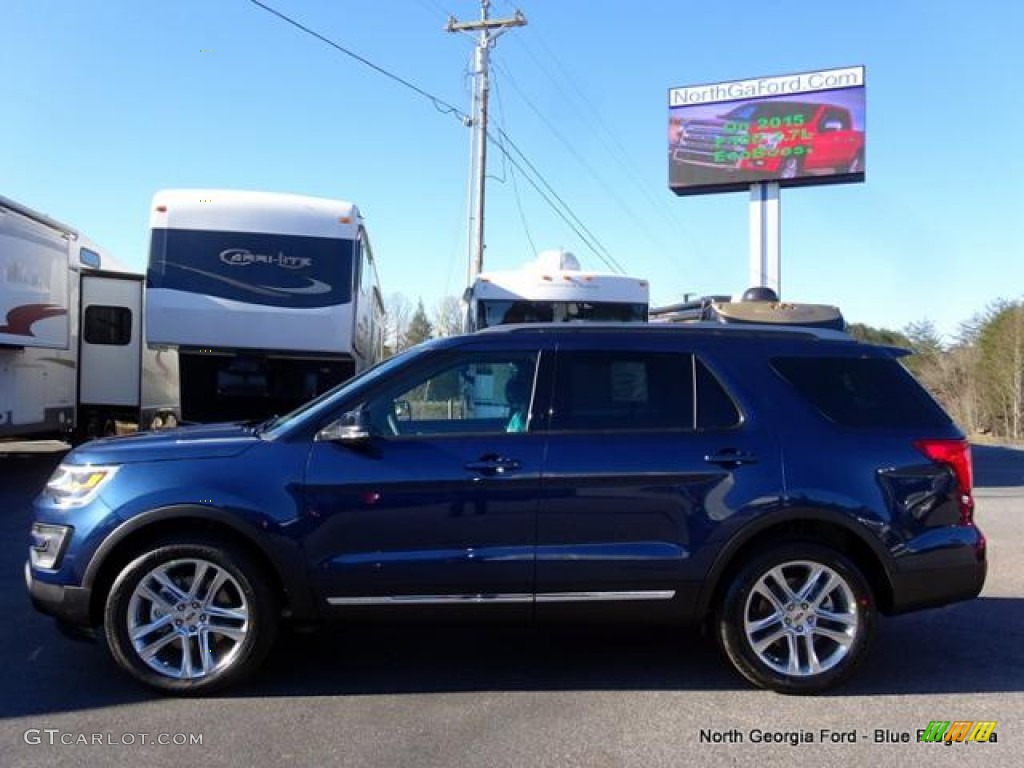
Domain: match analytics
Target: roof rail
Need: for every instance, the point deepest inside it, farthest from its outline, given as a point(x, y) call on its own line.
point(702, 328)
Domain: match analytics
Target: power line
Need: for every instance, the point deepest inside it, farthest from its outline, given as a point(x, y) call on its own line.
point(575, 96)
point(440, 104)
point(590, 239)
point(564, 212)
point(582, 161)
point(512, 175)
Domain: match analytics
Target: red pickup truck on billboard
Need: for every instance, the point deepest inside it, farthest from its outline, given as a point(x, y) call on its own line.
point(761, 140)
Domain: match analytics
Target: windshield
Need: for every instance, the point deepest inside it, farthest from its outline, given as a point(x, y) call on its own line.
point(505, 312)
point(325, 401)
point(782, 109)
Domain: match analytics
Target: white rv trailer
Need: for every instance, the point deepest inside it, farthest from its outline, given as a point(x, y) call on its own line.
point(554, 288)
point(73, 358)
point(270, 298)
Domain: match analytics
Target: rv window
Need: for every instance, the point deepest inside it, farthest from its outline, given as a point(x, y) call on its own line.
point(107, 325)
point(89, 258)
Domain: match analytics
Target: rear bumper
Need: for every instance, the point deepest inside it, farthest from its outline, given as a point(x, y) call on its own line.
point(66, 604)
point(943, 574)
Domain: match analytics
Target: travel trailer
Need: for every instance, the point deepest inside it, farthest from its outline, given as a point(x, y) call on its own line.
point(73, 356)
point(554, 288)
point(270, 299)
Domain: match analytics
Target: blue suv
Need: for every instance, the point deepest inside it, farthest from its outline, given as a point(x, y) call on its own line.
point(780, 487)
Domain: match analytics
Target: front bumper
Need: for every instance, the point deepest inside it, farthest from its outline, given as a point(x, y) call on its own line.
point(70, 605)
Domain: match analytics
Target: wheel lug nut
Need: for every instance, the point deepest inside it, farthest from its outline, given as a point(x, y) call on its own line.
point(804, 606)
point(192, 628)
point(181, 606)
point(800, 629)
point(177, 622)
point(202, 617)
point(196, 605)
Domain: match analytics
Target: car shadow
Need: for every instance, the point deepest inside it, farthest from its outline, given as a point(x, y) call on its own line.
point(971, 647)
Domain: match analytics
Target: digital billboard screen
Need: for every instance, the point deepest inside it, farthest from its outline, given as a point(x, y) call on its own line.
point(800, 129)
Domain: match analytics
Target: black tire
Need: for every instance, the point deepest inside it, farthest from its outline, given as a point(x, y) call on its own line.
point(827, 620)
point(221, 604)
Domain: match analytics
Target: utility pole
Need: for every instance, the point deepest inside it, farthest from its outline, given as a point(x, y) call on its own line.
point(488, 30)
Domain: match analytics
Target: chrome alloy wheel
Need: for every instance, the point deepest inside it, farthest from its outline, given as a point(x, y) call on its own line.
point(801, 618)
point(187, 619)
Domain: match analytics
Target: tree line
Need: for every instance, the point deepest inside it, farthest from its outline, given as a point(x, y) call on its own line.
point(978, 376)
point(407, 324)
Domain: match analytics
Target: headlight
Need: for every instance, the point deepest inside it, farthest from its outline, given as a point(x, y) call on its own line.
point(74, 486)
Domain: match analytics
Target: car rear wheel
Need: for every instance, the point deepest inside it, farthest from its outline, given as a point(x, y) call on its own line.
point(796, 619)
point(189, 617)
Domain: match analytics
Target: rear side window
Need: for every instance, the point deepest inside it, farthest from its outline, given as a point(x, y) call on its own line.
point(623, 390)
point(862, 392)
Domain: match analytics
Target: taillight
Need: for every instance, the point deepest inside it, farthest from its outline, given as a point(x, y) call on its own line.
point(956, 454)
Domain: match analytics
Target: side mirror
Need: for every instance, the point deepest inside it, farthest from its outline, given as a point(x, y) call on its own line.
point(351, 429)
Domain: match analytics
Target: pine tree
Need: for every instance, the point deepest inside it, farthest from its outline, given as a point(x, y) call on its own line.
point(419, 328)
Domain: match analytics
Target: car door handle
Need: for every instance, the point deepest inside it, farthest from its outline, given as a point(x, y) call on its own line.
point(492, 465)
point(730, 458)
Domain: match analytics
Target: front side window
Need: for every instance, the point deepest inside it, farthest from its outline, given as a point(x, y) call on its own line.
point(835, 120)
point(470, 394)
point(107, 325)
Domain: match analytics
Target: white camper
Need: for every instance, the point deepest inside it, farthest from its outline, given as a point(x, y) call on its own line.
point(270, 298)
point(554, 288)
point(73, 358)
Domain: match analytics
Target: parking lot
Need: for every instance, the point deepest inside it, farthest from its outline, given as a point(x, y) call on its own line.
point(461, 696)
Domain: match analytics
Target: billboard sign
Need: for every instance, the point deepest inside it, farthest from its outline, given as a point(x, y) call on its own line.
point(806, 128)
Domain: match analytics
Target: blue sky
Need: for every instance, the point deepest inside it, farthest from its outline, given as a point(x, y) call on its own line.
point(105, 102)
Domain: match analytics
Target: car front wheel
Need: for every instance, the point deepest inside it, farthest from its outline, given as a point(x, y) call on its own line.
point(797, 619)
point(188, 617)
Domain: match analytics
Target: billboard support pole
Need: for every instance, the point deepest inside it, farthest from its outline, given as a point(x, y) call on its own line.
point(765, 237)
